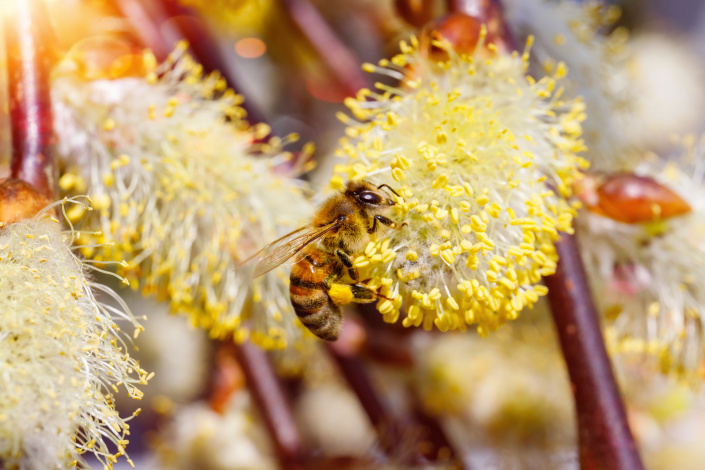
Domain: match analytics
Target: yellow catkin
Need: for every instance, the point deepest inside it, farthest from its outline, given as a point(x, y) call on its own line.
point(480, 218)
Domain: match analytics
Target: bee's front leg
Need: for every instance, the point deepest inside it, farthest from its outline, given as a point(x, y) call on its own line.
point(384, 220)
point(348, 263)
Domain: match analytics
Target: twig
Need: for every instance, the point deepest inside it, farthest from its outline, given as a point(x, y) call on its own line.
point(605, 440)
point(344, 66)
point(149, 20)
point(207, 51)
point(28, 63)
point(389, 429)
point(439, 448)
point(146, 28)
point(417, 439)
point(272, 403)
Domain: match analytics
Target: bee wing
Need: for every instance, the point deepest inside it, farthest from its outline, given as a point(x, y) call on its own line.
point(279, 251)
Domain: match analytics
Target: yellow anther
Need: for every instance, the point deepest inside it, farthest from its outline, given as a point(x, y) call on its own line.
point(440, 182)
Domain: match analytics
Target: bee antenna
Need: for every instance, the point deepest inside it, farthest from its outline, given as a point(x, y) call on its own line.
point(388, 187)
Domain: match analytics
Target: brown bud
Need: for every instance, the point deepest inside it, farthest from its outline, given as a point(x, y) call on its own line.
point(415, 12)
point(585, 188)
point(634, 199)
point(461, 31)
point(19, 201)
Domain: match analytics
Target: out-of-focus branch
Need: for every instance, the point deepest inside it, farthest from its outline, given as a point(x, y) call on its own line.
point(29, 65)
point(146, 27)
point(162, 24)
point(342, 64)
point(605, 440)
point(416, 439)
point(272, 404)
point(389, 429)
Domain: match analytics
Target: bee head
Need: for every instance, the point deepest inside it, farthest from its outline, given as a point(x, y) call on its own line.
point(368, 196)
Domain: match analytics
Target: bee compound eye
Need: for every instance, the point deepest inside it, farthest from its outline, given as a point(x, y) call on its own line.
point(370, 198)
point(341, 218)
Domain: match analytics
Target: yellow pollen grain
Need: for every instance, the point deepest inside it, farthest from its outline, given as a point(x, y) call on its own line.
point(477, 224)
point(440, 182)
point(454, 215)
point(494, 210)
point(448, 256)
point(388, 256)
point(507, 283)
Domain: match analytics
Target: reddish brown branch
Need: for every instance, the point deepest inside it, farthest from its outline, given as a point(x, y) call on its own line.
point(415, 439)
point(389, 429)
point(162, 24)
point(146, 27)
point(605, 440)
point(29, 66)
point(343, 65)
point(272, 403)
point(438, 447)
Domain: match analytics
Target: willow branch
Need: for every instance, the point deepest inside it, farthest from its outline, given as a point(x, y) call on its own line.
point(29, 65)
point(342, 64)
point(162, 24)
point(605, 440)
point(146, 28)
point(399, 438)
point(272, 403)
point(388, 428)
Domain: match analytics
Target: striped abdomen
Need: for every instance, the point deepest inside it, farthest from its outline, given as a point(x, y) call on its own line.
point(310, 298)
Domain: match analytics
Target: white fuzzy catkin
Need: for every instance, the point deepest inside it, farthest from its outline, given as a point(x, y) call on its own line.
point(575, 33)
point(180, 185)
point(62, 355)
point(648, 278)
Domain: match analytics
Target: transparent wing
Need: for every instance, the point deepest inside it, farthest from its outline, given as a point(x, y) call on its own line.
point(279, 251)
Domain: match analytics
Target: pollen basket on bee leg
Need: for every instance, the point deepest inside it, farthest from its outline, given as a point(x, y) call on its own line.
point(340, 294)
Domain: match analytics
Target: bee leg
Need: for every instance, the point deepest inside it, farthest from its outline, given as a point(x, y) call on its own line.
point(363, 294)
point(383, 220)
point(343, 294)
point(331, 278)
point(348, 263)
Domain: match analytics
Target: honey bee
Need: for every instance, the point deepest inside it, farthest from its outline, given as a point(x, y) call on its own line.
point(324, 251)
